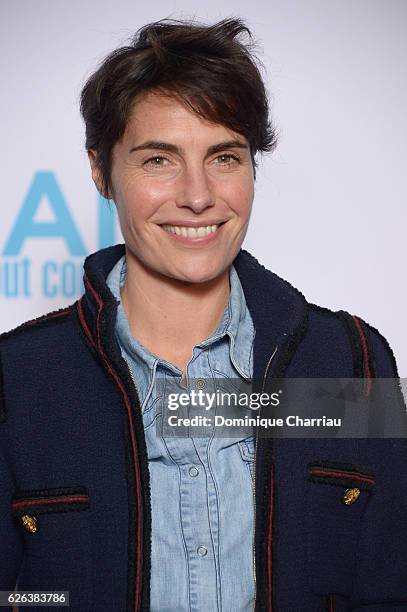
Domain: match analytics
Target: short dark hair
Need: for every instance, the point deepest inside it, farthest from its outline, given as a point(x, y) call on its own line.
point(205, 66)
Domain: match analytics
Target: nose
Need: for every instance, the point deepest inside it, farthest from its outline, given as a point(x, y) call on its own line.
point(195, 191)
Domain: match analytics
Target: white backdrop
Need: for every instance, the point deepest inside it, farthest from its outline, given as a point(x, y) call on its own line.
point(329, 212)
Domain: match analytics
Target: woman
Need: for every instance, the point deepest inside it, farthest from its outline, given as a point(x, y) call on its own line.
point(93, 501)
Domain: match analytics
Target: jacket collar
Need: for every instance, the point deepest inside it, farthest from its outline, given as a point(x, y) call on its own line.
point(278, 310)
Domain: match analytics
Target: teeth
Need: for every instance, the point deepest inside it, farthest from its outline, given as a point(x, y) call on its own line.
point(190, 232)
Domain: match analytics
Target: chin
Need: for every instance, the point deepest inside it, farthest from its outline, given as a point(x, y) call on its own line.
point(198, 274)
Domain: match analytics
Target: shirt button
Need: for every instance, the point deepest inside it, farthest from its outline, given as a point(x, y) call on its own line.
point(200, 383)
point(202, 551)
point(193, 471)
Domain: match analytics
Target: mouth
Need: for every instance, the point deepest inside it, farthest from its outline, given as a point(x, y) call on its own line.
point(192, 233)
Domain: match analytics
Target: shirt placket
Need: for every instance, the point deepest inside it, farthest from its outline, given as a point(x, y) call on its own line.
point(198, 507)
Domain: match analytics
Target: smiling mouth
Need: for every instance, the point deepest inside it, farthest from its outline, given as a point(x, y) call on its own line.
point(192, 232)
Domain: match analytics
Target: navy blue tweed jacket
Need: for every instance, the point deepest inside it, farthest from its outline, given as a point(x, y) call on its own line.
point(74, 481)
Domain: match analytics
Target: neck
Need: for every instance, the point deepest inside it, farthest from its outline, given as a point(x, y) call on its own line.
point(169, 316)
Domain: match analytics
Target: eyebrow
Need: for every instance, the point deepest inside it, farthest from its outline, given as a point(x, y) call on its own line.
point(167, 146)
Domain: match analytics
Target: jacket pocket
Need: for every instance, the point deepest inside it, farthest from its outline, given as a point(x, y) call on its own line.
point(337, 496)
point(43, 501)
point(55, 527)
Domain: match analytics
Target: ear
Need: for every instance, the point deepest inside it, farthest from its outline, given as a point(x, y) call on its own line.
point(97, 173)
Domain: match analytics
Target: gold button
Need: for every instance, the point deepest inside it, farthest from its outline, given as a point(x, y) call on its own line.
point(350, 496)
point(30, 523)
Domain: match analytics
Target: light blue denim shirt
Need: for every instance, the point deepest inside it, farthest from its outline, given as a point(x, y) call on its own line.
point(201, 488)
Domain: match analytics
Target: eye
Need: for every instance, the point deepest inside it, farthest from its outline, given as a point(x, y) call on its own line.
point(155, 162)
point(228, 159)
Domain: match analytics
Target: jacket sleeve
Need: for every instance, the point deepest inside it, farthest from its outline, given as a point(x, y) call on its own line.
point(381, 580)
point(11, 547)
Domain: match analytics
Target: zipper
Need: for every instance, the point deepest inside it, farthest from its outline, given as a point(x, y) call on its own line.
point(138, 603)
point(254, 483)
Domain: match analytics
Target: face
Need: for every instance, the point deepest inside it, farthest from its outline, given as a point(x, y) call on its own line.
point(183, 189)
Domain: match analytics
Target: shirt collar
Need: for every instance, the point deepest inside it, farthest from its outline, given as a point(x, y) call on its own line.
point(236, 323)
point(131, 345)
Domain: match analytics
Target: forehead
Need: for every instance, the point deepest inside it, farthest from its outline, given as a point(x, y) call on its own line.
point(162, 116)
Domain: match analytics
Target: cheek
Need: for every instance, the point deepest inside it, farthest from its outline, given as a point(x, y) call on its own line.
point(239, 196)
point(139, 200)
